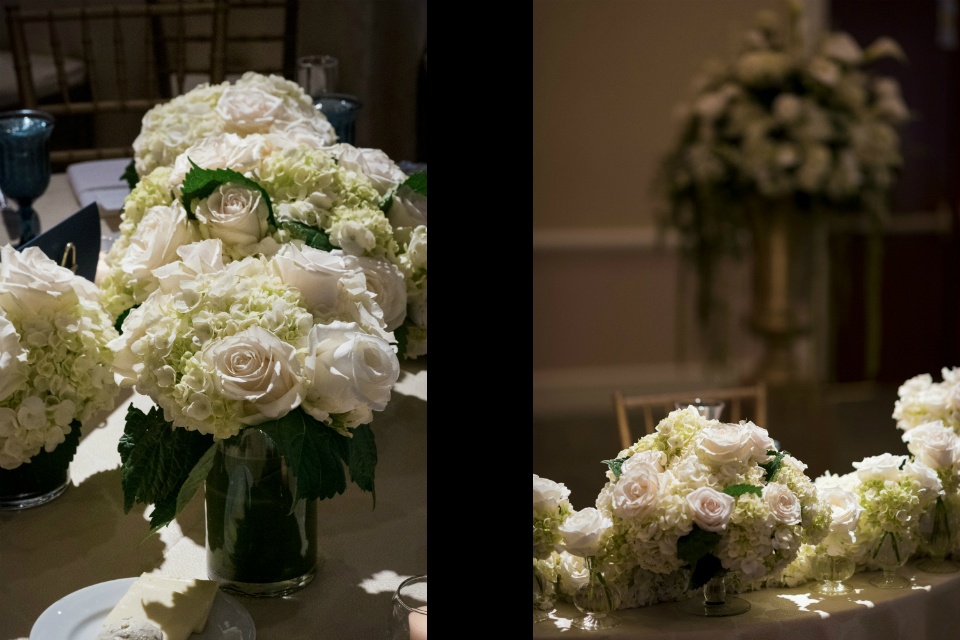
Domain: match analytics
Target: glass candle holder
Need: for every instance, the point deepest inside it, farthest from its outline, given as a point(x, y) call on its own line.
point(709, 409)
point(887, 554)
point(408, 618)
point(25, 162)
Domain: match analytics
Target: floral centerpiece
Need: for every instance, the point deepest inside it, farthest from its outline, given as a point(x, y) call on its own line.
point(921, 400)
point(779, 133)
point(258, 192)
point(704, 500)
point(253, 104)
point(54, 372)
point(266, 372)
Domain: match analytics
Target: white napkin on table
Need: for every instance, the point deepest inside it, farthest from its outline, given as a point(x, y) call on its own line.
point(99, 181)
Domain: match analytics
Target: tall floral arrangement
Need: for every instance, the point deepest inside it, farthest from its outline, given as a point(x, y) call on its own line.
point(258, 192)
point(782, 121)
point(54, 359)
point(698, 499)
point(283, 345)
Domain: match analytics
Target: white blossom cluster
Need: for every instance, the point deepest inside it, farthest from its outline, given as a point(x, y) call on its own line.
point(54, 360)
point(550, 508)
point(922, 401)
point(222, 346)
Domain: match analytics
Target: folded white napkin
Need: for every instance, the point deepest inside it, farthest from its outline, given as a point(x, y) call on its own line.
point(99, 181)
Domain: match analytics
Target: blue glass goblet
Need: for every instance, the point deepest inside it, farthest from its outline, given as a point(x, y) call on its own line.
point(341, 112)
point(25, 162)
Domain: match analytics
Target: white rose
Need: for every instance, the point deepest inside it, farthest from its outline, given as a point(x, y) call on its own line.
point(711, 509)
point(315, 134)
point(573, 573)
point(386, 281)
point(354, 238)
point(762, 442)
point(725, 444)
point(29, 280)
point(196, 258)
point(783, 503)
point(248, 110)
point(649, 457)
point(417, 248)
point(841, 47)
point(930, 484)
point(225, 151)
point(258, 367)
point(547, 494)
point(235, 214)
point(882, 467)
point(933, 444)
point(409, 209)
point(583, 532)
point(382, 171)
point(637, 492)
point(845, 507)
point(162, 231)
point(127, 366)
point(315, 273)
point(915, 385)
point(13, 359)
point(346, 368)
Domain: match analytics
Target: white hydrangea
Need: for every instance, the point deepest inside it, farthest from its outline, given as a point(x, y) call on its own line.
point(921, 400)
point(54, 360)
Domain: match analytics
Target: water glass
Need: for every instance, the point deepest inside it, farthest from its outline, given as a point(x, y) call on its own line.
point(408, 619)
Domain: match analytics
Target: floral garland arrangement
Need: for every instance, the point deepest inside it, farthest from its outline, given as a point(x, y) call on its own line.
point(782, 121)
point(254, 104)
point(921, 400)
point(54, 360)
point(259, 192)
point(283, 344)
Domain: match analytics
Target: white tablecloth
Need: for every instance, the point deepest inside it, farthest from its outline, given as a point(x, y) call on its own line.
point(928, 608)
point(83, 537)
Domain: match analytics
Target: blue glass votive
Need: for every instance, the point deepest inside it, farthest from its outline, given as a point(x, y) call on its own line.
point(341, 111)
point(25, 161)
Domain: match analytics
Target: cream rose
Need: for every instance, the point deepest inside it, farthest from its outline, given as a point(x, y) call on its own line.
point(382, 171)
point(725, 444)
point(162, 231)
point(711, 509)
point(386, 282)
point(637, 492)
point(933, 444)
point(248, 110)
point(783, 503)
point(235, 214)
point(650, 457)
point(409, 209)
point(845, 507)
point(572, 572)
point(315, 273)
point(417, 248)
point(930, 484)
point(32, 281)
point(196, 258)
point(547, 494)
point(882, 467)
point(225, 151)
point(346, 368)
point(259, 368)
point(762, 442)
point(13, 359)
point(583, 532)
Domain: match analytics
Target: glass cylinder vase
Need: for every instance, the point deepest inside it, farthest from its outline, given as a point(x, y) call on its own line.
point(888, 556)
point(32, 484)
point(938, 531)
point(832, 571)
point(597, 599)
point(260, 540)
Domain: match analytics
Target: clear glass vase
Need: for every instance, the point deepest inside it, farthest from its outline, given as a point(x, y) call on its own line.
point(539, 587)
point(938, 528)
point(32, 484)
point(715, 601)
point(597, 599)
point(709, 409)
point(260, 540)
point(887, 554)
point(832, 571)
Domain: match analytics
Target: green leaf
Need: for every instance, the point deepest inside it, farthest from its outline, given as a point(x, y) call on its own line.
point(362, 459)
point(156, 459)
point(707, 567)
point(196, 478)
point(313, 237)
point(163, 513)
point(200, 183)
point(737, 490)
point(400, 333)
point(387, 200)
point(417, 182)
point(130, 175)
point(615, 465)
point(118, 325)
point(772, 468)
point(696, 544)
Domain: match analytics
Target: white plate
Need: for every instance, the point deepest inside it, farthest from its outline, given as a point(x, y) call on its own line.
point(80, 615)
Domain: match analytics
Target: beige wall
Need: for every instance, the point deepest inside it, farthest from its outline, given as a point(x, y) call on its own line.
point(612, 305)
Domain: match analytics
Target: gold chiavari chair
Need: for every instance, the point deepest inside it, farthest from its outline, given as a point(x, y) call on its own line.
point(733, 397)
point(120, 16)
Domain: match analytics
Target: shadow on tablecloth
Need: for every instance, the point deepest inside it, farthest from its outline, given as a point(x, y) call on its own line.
point(79, 539)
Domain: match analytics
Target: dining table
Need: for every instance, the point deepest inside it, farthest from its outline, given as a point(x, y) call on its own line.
point(83, 537)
